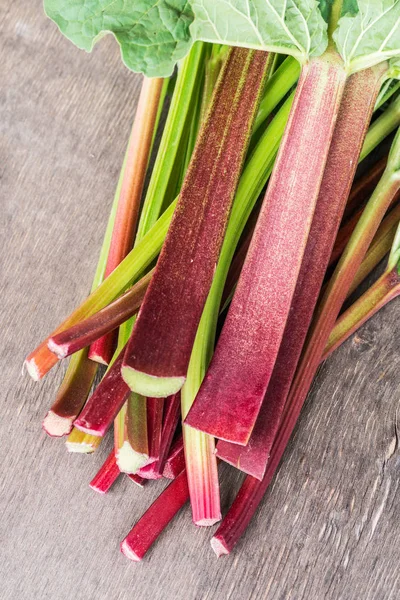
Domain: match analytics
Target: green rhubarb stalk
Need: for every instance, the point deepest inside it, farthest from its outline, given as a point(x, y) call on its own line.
point(385, 289)
point(380, 246)
point(188, 75)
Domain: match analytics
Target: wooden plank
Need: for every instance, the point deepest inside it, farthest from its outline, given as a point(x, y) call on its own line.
point(328, 528)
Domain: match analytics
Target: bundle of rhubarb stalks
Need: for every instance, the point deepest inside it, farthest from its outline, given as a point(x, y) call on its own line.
point(225, 280)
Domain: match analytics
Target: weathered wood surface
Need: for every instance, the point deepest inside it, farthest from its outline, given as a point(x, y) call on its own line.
point(328, 528)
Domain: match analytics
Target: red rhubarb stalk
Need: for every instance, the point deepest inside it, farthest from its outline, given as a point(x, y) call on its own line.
point(88, 330)
point(175, 462)
point(231, 395)
point(107, 475)
point(155, 365)
point(71, 395)
point(105, 403)
point(155, 470)
point(341, 280)
point(252, 490)
point(354, 115)
point(130, 192)
point(155, 519)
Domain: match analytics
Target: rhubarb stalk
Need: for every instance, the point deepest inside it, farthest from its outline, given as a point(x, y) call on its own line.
point(105, 403)
point(253, 490)
point(155, 519)
point(245, 355)
point(106, 476)
point(354, 115)
point(155, 365)
point(385, 289)
point(105, 320)
point(129, 194)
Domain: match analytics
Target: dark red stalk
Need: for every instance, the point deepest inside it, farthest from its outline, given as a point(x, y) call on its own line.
point(135, 166)
point(107, 319)
point(352, 123)
point(172, 408)
point(155, 364)
point(105, 403)
point(71, 396)
point(232, 392)
point(176, 460)
point(107, 475)
point(155, 519)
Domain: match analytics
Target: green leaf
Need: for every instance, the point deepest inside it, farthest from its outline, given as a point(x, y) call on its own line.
point(370, 36)
point(153, 34)
point(291, 26)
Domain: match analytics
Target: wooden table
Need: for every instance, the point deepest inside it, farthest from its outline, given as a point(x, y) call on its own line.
point(329, 526)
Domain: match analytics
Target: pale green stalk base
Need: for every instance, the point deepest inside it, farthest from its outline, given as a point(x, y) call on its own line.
point(150, 386)
point(128, 460)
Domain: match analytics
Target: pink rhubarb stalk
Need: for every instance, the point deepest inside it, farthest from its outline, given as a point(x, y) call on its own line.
point(232, 392)
point(105, 403)
point(71, 395)
point(130, 192)
point(107, 475)
point(155, 364)
point(107, 319)
point(155, 519)
point(354, 115)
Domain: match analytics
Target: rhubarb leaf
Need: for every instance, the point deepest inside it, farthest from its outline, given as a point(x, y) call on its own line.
point(293, 27)
point(369, 36)
point(153, 34)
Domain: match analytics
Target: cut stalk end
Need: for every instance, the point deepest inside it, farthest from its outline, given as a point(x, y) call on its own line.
point(57, 426)
point(219, 547)
point(150, 385)
point(207, 522)
point(82, 443)
point(130, 461)
point(128, 551)
point(33, 369)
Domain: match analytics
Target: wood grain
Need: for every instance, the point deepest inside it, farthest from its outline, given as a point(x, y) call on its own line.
point(329, 526)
